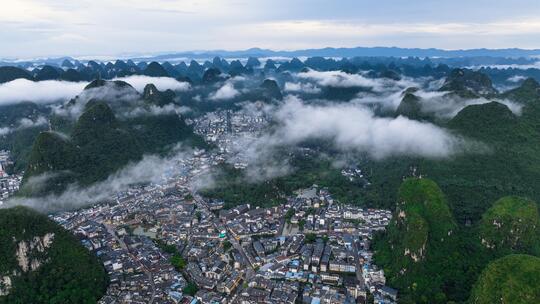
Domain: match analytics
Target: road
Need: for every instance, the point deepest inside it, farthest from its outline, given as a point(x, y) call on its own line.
point(358, 265)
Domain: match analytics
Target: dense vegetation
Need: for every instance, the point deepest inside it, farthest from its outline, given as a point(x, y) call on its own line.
point(506, 163)
point(231, 185)
point(511, 225)
point(100, 144)
point(509, 280)
point(430, 259)
point(20, 138)
point(420, 241)
point(97, 147)
point(68, 272)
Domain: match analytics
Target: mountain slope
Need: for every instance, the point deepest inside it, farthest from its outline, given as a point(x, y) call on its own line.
point(9, 73)
point(468, 83)
point(97, 148)
point(511, 225)
point(510, 280)
point(99, 143)
point(43, 263)
point(420, 235)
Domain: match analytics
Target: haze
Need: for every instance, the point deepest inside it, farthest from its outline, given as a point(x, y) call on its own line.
point(38, 28)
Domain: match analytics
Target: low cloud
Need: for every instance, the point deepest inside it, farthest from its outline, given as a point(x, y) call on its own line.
point(5, 131)
point(24, 123)
point(161, 83)
point(340, 79)
point(150, 169)
point(227, 91)
point(157, 110)
point(47, 91)
point(445, 105)
point(516, 78)
point(114, 95)
point(298, 87)
point(51, 91)
point(352, 127)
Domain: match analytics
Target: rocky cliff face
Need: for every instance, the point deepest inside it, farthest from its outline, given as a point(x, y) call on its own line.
point(41, 262)
point(30, 255)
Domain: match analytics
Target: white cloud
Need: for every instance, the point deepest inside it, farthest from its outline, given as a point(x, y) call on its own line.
point(299, 87)
point(227, 91)
point(150, 169)
point(339, 28)
point(161, 83)
point(354, 128)
point(23, 124)
point(516, 78)
point(5, 131)
point(338, 79)
point(447, 106)
point(48, 91)
point(156, 110)
point(341, 79)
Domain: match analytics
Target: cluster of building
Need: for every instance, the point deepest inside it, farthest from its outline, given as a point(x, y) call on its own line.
point(9, 183)
point(164, 243)
point(231, 130)
point(316, 247)
point(139, 271)
point(155, 241)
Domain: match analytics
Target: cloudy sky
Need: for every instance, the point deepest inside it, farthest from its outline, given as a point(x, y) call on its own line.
point(35, 28)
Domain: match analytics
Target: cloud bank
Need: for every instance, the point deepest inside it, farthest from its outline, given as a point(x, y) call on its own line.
point(298, 87)
point(44, 92)
point(24, 123)
point(352, 127)
point(339, 79)
point(157, 110)
point(51, 91)
point(150, 169)
point(227, 91)
point(161, 83)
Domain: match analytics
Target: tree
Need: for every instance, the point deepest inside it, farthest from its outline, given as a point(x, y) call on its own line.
point(227, 245)
point(178, 262)
point(191, 289)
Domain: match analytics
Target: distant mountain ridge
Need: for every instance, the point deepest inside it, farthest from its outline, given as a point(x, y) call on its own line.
point(378, 51)
point(357, 51)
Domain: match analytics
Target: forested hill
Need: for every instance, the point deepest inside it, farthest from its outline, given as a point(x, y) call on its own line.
point(430, 259)
point(98, 143)
point(41, 263)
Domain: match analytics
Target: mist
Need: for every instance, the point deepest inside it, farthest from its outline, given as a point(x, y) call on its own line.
point(156, 110)
point(44, 92)
point(340, 79)
point(161, 83)
point(151, 169)
point(352, 127)
point(24, 123)
point(227, 91)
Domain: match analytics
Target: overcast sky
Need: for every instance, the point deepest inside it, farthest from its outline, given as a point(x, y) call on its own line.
point(36, 28)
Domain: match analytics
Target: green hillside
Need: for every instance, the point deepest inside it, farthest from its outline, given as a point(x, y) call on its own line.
point(432, 260)
point(55, 268)
point(468, 83)
point(511, 225)
point(411, 107)
point(99, 144)
point(105, 147)
point(53, 157)
point(512, 279)
point(503, 159)
point(420, 240)
point(97, 147)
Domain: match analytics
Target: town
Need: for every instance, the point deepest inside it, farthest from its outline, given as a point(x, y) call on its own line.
point(163, 242)
point(9, 183)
